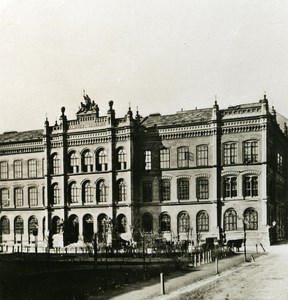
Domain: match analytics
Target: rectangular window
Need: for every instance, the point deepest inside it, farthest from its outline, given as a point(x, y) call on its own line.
point(165, 190)
point(148, 160)
point(33, 196)
point(230, 187)
point(279, 163)
point(164, 159)
point(202, 188)
point(183, 189)
point(32, 168)
point(202, 155)
point(230, 154)
point(251, 186)
point(183, 157)
point(4, 197)
point(250, 152)
point(4, 170)
point(18, 197)
point(18, 169)
point(147, 192)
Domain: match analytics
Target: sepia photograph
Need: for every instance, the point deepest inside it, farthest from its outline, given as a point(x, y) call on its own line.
point(143, 150)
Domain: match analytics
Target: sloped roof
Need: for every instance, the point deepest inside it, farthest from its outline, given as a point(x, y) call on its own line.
point(22, 136)
point(180, 118)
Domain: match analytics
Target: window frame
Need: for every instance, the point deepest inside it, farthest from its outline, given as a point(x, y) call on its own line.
point(164, 158)
point(202, 188)
point(202, 155)
point(183, 189)
point(183, 154)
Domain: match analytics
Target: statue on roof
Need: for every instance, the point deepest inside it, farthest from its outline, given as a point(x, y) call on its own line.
point(88, 105)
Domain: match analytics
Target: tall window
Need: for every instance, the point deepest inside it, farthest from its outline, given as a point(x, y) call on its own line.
point(74, 163)
point(202, 188)
point(183, 157)
point(101, 188)
point(74, 193)
point(3, 170)
point(148, 160)
point(183, 222)
point(230, 187)
point(18, 194)
point(33, 196)
point(33, 225)
point(250, 219)
point(230, 220)
point(250, 152)
point(279, 163)
point(230, 153)
point(102, 160)
point(4, 194)
point(121, 159)
point(87, 192)
point(165, 158)
point(5, 225)
point(55, 164)
point(121, 191)
point(165, 190)
point(32, 168)
point(250, 186)
point(183, 189)
point(202, 155)
point(56, 194)
point(202, 221)
point(165, 222)
point(87, 161)
point(147, 222)
point(147, 191)
point(18, 225)
point(18, 172)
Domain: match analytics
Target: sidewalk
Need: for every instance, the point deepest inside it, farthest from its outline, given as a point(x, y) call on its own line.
point(178, 283)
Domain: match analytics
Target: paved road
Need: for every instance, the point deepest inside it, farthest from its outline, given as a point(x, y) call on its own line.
point(265, 279)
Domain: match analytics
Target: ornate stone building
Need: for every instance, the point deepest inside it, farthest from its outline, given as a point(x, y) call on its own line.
point(199, 175)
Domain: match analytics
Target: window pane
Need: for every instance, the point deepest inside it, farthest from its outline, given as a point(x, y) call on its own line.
point(202, 155)
point(202, 222)
point(202, 189)
point(183, 157)
point(183, 189)
point(164, 158)
point(165, 190)
point(19, 197)
point(18, 169)
point(3, 170)
point(4, 197)
point(32, 168)
point(148, 160)
point(33, 196)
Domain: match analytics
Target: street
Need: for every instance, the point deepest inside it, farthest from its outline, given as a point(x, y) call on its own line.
point(265, 279)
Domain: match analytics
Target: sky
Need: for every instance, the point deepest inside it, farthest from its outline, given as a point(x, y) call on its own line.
point(158, 55)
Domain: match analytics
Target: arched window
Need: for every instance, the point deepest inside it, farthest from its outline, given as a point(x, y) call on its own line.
point(121, 159)
point(230, 220)
point(18, 196)
point(55, 164)
point(74, 163)
point(101, 160)
point(56, 225)
point(147, 222)
point(202, 221)
point(165, 222)
point(101, 191)
point(121, 191)
point(4, 197)
point(33, 225)
point(87, 161)
point(183, 222)
point(5, 225)
point(56, 194)
point(18, 225)
point(73, 193)
point(33, 196)
point(250, 219)
point(87, 192)
point(122, 223)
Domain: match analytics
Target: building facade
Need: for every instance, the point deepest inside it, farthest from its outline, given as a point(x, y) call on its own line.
point(200, 175)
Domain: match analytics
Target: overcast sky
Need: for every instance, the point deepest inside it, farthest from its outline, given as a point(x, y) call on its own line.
point(158, 55)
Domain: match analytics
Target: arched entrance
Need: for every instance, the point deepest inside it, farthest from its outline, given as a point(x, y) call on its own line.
point(73, 229)
point(122, 224)
point(88, 228)
point(33, 229)
point(56, 228)
point(102, 222)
